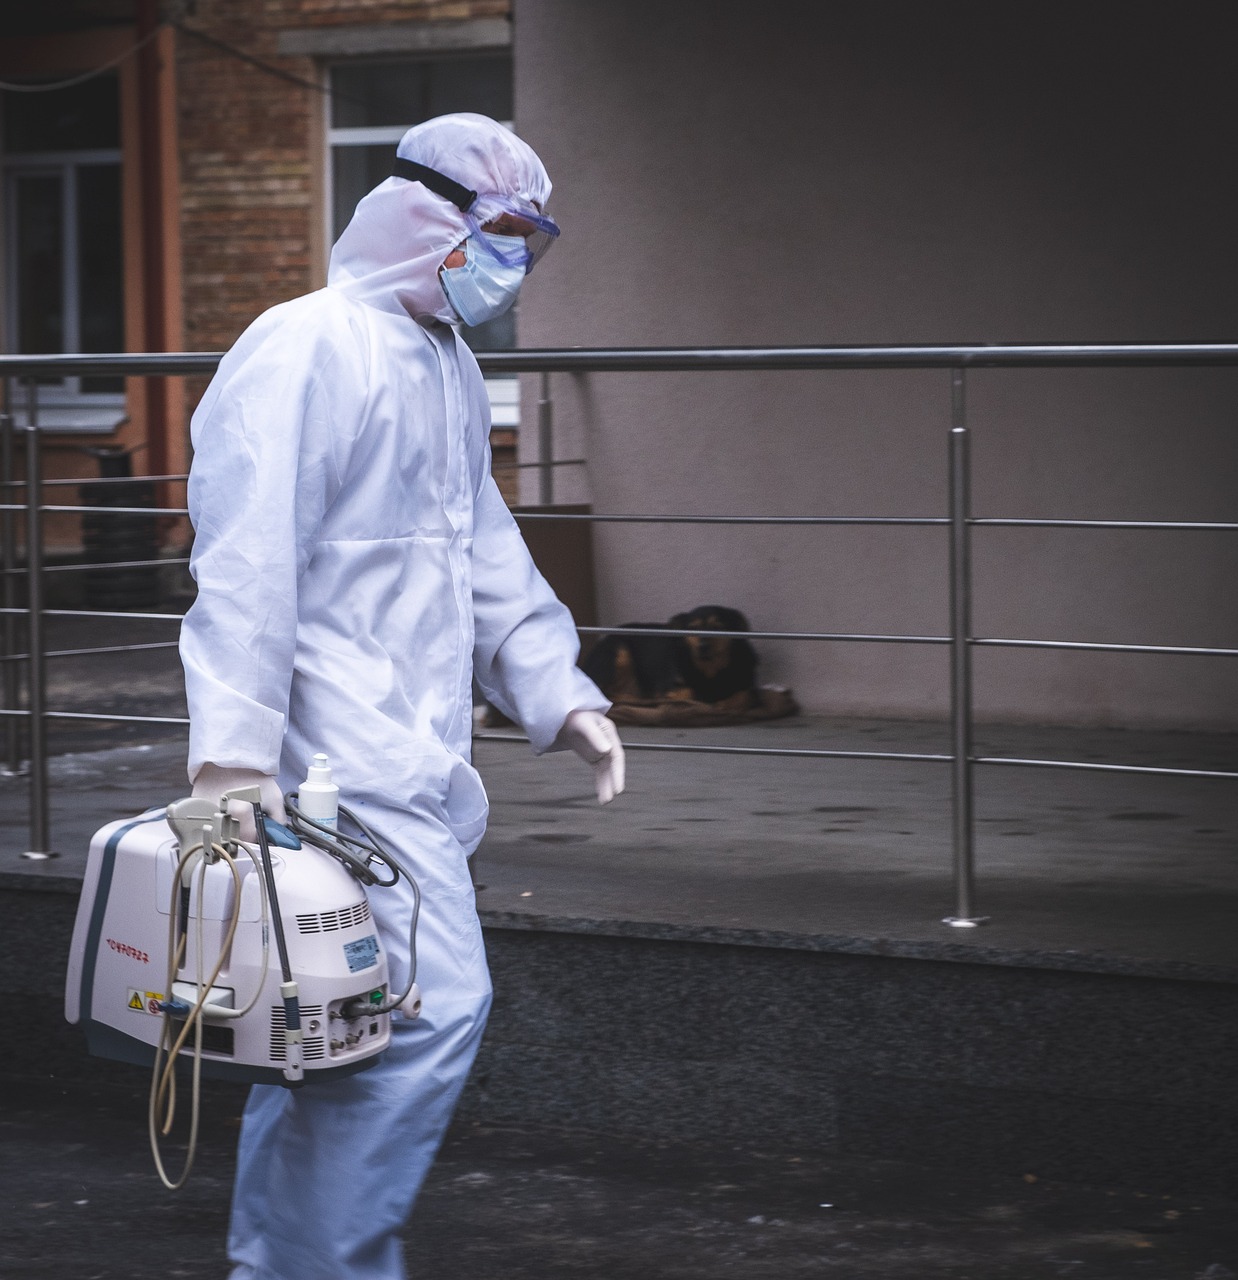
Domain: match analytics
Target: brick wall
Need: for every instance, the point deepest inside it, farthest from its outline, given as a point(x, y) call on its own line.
point(251, 154)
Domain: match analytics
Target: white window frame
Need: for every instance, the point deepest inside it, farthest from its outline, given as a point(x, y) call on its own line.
point(63, 405)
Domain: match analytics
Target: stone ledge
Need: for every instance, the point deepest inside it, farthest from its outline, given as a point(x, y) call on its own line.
point(41, 879)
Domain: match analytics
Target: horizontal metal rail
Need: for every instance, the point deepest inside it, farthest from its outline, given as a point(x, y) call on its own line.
point(991, 642)
point(599, 517)
point(127, 364)
point(922, 756)
point(826, 636)
point(109, 481)
point(1195, 526)
point(1205, 526)
point(102, 716)
point(602, 518)
point(80, 565)
point(715, 750)
point(761, 635)
point(96, 649)
point(118, 511)
point(1090, 646)
point(691, 359)
point(591, 517)
point(101, 613)
point(1091, 767)
point(538, 466)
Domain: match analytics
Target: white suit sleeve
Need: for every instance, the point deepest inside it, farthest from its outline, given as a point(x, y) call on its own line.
point(526, 643)
point(267, 439)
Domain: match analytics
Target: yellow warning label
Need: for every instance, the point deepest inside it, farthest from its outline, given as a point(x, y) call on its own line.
point(145, 1001)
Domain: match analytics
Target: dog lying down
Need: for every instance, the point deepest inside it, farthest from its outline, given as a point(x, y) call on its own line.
point(697, 679)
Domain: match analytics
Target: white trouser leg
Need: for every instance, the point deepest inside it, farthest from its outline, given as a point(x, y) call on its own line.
point(327, 1174)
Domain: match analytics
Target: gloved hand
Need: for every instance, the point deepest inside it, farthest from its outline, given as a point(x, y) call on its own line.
point(212, 781)
point(596, 741)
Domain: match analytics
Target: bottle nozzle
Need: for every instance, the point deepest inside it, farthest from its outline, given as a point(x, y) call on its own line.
point(319, 770)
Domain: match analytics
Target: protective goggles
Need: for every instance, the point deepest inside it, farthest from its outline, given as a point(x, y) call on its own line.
point(498, 215)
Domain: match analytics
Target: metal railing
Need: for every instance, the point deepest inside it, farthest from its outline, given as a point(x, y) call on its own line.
point(958, 521)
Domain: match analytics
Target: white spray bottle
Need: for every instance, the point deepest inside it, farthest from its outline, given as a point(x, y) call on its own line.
point(318, 797)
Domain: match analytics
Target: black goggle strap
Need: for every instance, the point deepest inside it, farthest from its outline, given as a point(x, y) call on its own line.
point(434, 181)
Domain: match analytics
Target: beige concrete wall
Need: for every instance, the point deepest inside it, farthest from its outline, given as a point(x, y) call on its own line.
point(901, 173)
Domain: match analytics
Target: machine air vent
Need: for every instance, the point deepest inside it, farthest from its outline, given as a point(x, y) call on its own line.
point(313, 1048)
point(333, 921)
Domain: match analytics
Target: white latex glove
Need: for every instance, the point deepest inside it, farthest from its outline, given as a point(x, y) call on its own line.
point(596, 741)
point(212, 781)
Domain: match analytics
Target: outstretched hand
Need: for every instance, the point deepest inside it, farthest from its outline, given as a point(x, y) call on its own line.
point(596, 741)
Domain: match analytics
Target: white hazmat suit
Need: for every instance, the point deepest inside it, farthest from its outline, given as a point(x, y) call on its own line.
point(356, 569)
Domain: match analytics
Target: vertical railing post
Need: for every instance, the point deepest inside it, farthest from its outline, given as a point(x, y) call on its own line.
point(39, 811)
point(8, 590)
point(545, 444)
point(960, 662)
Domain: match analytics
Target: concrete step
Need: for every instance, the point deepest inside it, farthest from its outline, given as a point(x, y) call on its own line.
point(1093, 1077)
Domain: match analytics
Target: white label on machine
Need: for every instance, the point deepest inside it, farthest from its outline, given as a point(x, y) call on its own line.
point(144, 1001)
point(362, 954)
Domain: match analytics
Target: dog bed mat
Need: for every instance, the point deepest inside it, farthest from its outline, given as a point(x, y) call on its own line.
point(773, 702)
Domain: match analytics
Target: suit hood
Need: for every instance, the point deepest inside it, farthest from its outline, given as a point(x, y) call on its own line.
point(390, 253)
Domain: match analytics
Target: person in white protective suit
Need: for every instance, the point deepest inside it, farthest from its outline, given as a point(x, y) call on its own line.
point(356, 569)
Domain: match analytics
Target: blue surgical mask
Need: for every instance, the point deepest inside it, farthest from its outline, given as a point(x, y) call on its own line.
point(484, 287)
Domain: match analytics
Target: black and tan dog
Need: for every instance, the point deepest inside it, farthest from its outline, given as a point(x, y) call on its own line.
point(692, 668)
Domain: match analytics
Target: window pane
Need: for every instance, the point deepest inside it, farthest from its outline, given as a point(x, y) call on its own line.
point(378, 93)
point(75, 119)
point(355, 171)
point(38, 260)
point(405, 93)
point(471, 84)
point(100, 276)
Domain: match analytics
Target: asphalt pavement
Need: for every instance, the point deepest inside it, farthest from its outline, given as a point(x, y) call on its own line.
point(80, 1201)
